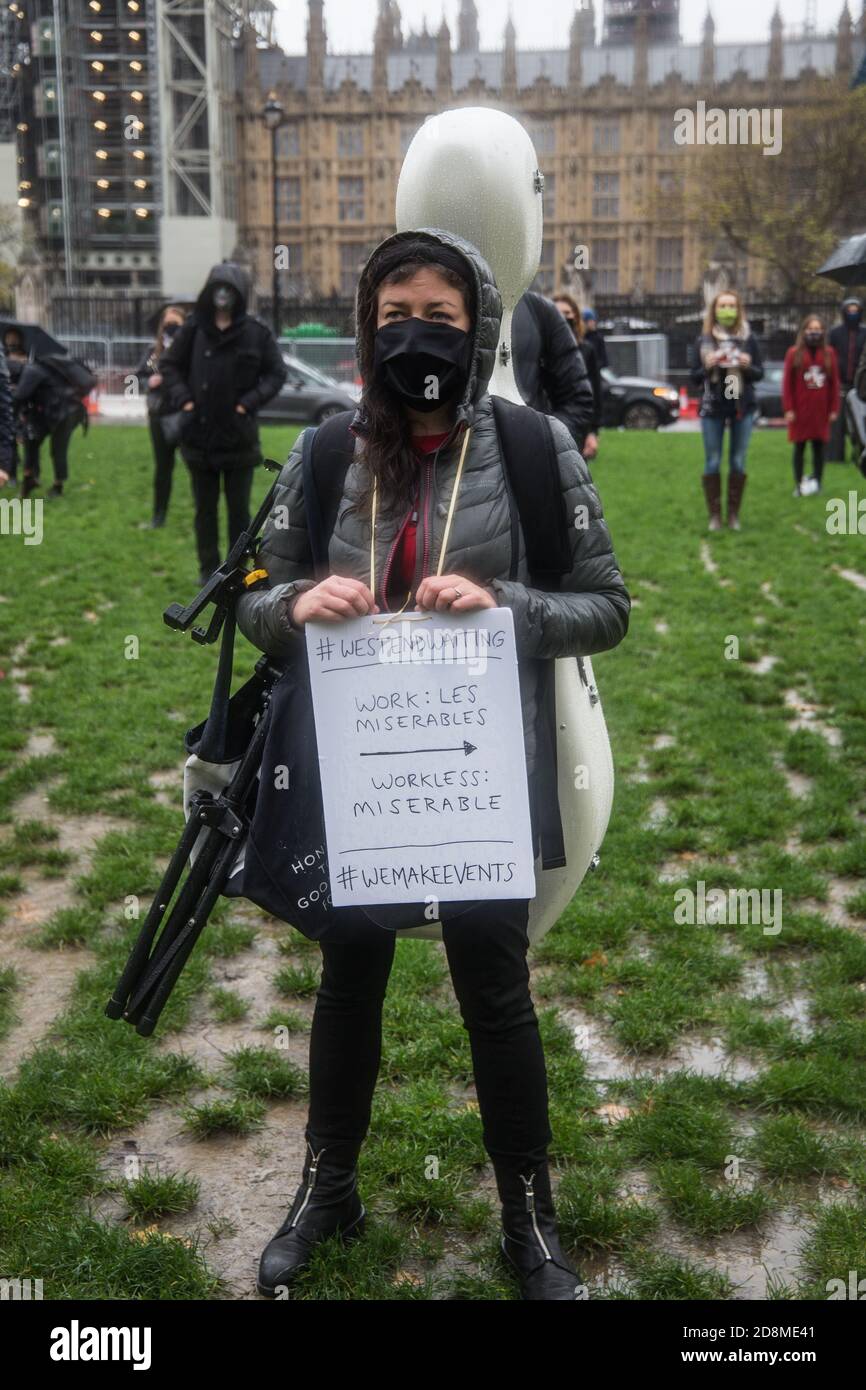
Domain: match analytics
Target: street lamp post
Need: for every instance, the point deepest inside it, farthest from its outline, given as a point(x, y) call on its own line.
point(272, 115)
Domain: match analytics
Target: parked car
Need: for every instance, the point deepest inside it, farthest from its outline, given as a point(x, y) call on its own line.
point(637, 402)
point(768, 394)
point(307, 396)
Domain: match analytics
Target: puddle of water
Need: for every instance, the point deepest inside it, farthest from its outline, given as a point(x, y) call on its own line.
point(858, 580)
point(769, 595)
point(748, 1257)
point(762, 666)
point(640, 774)
point(39, 745)
point(805, 717)
point(657, 814)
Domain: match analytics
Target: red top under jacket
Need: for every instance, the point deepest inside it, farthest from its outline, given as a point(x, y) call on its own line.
point(403, 565)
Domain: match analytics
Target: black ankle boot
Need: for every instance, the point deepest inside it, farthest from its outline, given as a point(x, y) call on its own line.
point(530, 1242)
point(326, 1203)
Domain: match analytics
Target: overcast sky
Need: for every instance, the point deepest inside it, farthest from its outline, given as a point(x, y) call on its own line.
point(539, 23)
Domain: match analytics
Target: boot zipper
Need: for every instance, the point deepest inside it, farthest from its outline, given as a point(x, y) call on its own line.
point(311, 1182)
point(530, 1207)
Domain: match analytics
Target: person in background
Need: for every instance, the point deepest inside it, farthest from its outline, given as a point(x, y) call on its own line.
point(570, 310)
point(726, 362)
point(221, 367)
point(549, 371)
point(811, 398)
point(47, 406)
point(171, 320)
point(848, 340)
point(7, 425)
point(13, 359)
point(593, 334)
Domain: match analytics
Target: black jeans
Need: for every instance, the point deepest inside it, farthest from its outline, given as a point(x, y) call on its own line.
point(59, 437)
point(486, 949)
point(163, 458)
point(237, 486)
point(817, 459)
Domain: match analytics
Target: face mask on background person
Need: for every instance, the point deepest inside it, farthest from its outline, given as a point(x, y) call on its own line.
point(224, 297)
point(853, 315)
point(726, 315)
point(814, 338)
point(169, 331)
point(422, 363)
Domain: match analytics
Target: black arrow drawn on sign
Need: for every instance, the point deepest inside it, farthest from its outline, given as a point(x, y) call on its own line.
point(464, 747)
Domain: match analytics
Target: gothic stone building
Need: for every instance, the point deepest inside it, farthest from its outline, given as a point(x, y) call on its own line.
point(601, 117)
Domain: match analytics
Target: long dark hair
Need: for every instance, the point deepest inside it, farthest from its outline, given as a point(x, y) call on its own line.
point(387, 433)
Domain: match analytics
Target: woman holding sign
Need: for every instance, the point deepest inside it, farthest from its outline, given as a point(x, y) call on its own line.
point(425, 523)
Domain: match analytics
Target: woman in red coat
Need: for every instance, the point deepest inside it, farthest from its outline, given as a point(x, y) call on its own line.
point(810, 397)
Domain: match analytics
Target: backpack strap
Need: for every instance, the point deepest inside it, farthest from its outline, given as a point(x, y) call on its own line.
point(324, 468)
point(535, 496)
point(532, 478)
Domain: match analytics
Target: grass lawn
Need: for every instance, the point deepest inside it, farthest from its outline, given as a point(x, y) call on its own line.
point(708, 1080)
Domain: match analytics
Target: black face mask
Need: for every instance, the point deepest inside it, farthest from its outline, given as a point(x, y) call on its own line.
point(814, 339)
point(168, 332)
point(853, 316)
point(423, 363)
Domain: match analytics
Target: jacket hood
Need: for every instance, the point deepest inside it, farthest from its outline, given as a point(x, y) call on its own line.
point(488, 312)
point(227, 273)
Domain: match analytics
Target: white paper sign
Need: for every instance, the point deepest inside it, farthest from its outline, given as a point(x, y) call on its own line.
point(422, 760)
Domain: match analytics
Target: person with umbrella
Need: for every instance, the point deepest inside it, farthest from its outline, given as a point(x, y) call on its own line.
point(848, 340)
point(48, 391)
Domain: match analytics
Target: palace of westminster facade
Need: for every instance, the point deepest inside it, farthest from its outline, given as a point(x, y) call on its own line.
point(601, 116)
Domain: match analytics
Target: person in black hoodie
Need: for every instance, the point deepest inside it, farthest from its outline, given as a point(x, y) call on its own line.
point(221, 367)
point(47, 405)
point(570, 310)
point(549, 371)
point(848, 340)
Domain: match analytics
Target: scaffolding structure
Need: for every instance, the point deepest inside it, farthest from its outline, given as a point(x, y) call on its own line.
point(621, 18)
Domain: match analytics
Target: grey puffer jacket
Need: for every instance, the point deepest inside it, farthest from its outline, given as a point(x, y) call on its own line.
point(590, 612)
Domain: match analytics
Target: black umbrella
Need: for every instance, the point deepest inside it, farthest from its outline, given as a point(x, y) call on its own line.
point(37, 342)
point(847, 265)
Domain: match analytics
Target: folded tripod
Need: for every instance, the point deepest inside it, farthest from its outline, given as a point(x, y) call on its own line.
point(158, 956)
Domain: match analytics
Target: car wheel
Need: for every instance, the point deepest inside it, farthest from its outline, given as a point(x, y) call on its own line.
point(327, 411)
point(641, 416)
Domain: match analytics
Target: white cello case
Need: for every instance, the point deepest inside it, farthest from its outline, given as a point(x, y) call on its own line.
point(474, 172)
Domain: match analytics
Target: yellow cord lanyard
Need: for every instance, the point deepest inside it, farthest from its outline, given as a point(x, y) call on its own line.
point(445, 534)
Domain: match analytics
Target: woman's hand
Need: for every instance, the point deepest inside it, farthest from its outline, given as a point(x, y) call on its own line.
point(790, 417)
point(745, 360)
point(834, 416)
point(451, 593)
point(190, 405)
point(241, 409)
point(154, 381)
point(333, 601)
point(590, 446)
